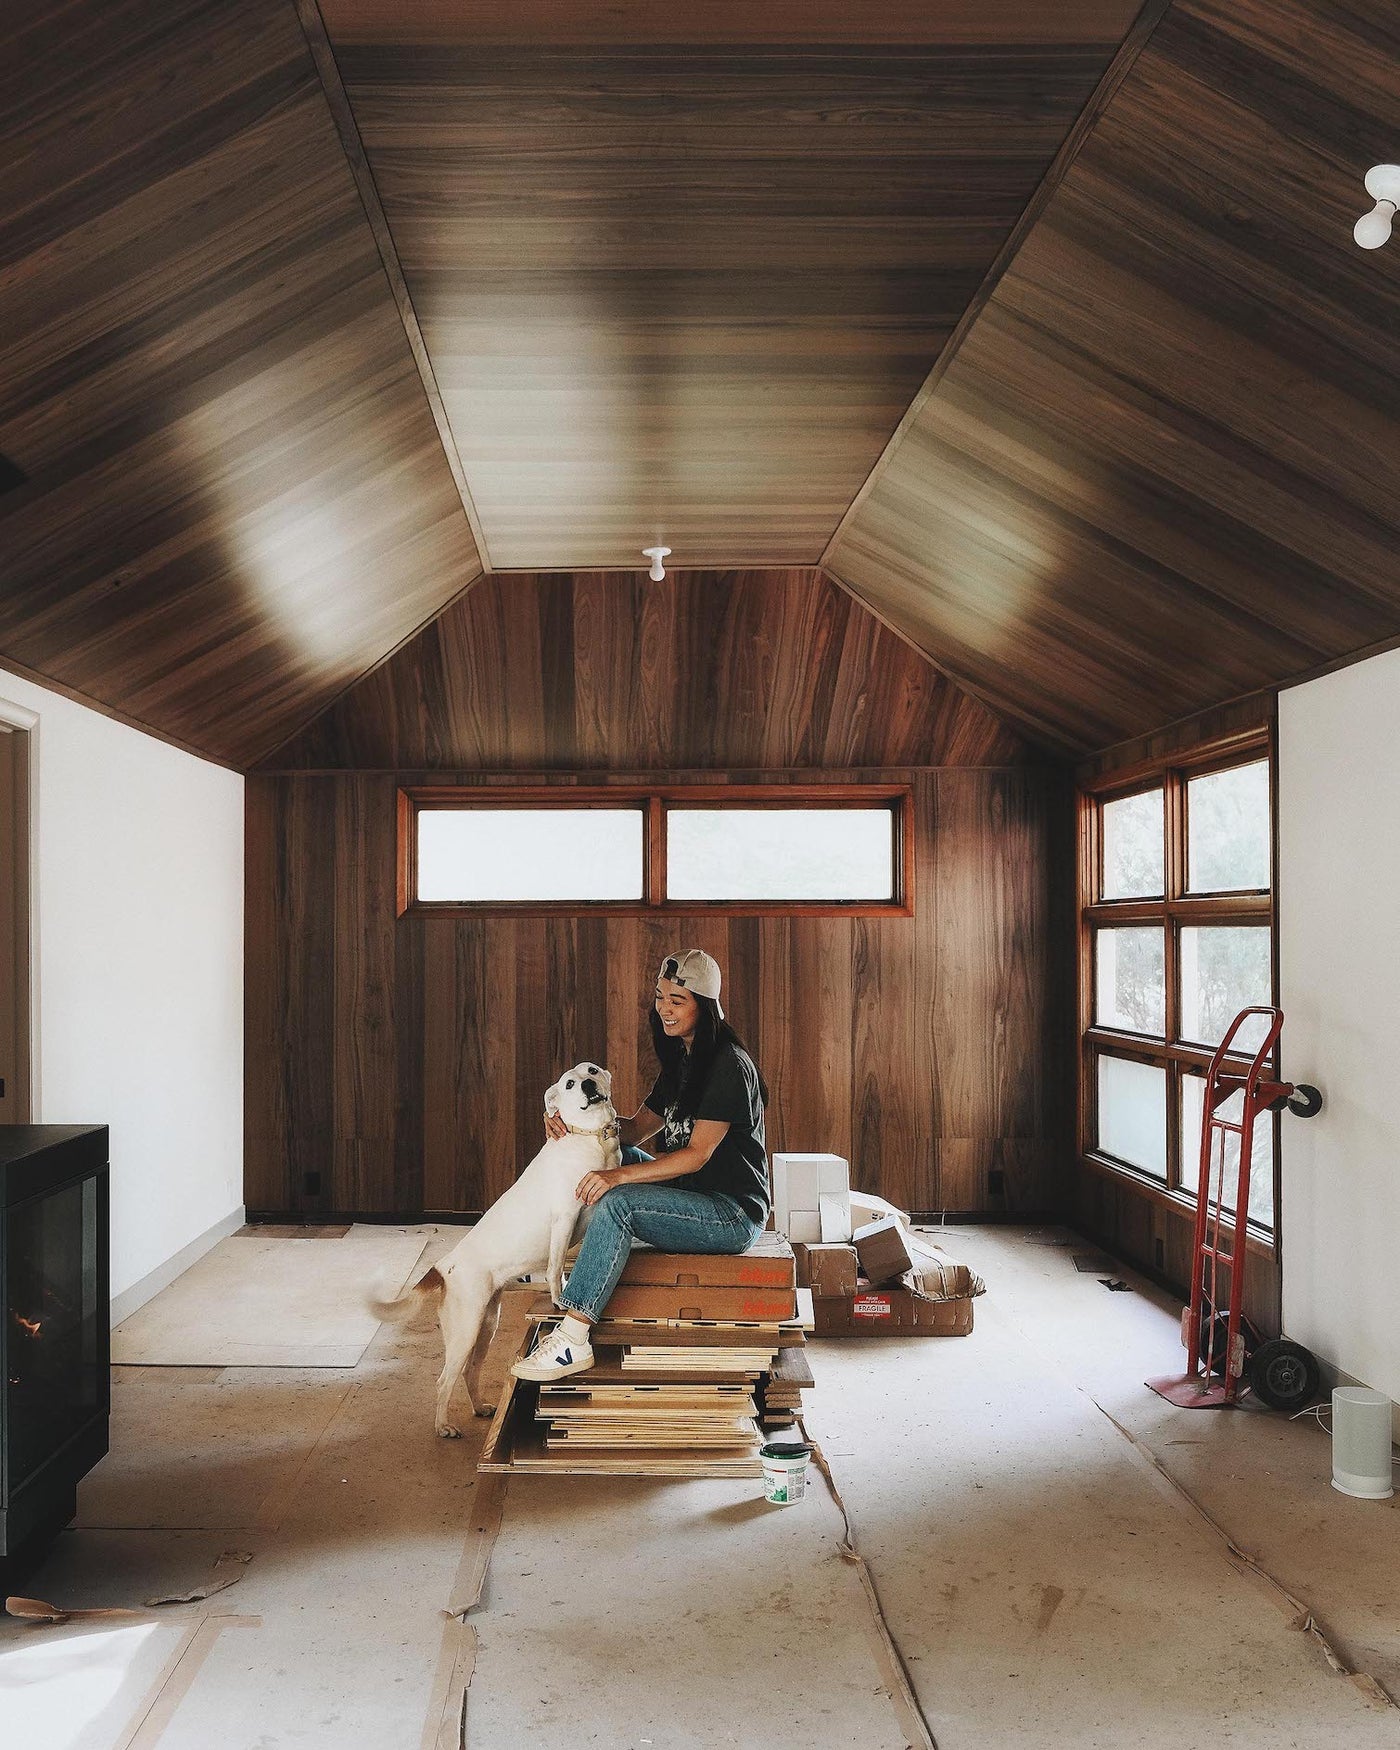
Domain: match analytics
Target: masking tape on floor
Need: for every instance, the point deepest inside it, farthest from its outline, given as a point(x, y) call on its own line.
point(157, 1709)
point(887, 1654)
point(444, 1727)
point(1300, 1615)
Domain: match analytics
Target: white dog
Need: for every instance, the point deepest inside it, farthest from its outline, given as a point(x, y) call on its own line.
point(528, 1228)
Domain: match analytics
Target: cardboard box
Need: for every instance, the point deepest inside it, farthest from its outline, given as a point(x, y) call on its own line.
point(828, 1270)
point(942, 1279)
point(768, 1263)
point(695, 1300)
point(880, 1246)
point(799, 1182)
point(892, 1312)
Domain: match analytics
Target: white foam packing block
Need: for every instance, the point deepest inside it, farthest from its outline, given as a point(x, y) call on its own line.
point(835, 1213)
point(804, 1226)
point(800, 1179)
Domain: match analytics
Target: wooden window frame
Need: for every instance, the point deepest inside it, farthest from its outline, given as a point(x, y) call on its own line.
point(1176, 909)
point(653, 801)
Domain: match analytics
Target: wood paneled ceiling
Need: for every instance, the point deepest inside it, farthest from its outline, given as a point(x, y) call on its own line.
point(681, 268)
point(1057, 353)
point(237, 498)
point(604, 671)
point(1163, 468)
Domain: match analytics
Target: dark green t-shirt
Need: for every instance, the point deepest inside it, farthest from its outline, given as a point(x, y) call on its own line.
point(739, 1166)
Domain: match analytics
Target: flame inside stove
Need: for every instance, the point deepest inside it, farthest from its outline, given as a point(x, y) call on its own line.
point(33, 1326)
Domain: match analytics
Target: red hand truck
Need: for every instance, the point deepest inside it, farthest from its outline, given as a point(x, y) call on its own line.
point(1219, 1339)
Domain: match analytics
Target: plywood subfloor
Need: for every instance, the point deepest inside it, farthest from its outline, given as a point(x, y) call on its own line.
point(1045, 1586)
point(255, 1301)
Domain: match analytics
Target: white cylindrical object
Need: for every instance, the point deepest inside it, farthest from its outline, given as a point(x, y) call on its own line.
point(1361, 1464)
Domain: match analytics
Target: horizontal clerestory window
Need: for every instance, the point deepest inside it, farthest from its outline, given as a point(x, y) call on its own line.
point(749, 851)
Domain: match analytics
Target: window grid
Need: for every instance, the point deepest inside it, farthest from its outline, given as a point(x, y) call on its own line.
point(654, 802)
point(1177, 908)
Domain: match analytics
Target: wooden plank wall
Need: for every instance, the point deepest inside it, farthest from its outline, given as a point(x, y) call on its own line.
point(402, 1061)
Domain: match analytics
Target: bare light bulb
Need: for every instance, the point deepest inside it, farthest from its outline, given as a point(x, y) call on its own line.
point(1373, 228)
point(1383, 185)
point(657, 554)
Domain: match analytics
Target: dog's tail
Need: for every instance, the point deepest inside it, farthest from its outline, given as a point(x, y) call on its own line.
point(428, 1290)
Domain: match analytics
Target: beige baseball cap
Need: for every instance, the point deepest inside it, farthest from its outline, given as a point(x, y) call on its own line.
point(696, 971)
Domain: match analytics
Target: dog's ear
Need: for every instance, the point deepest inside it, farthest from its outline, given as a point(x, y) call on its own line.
point(551, 1100)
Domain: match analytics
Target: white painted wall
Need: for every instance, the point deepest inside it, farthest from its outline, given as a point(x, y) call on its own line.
point(138, 866)
point(1339, 962)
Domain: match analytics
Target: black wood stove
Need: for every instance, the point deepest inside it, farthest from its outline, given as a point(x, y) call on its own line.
point(54, 1338)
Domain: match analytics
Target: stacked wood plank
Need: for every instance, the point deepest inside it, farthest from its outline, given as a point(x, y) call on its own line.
point(674, 1390)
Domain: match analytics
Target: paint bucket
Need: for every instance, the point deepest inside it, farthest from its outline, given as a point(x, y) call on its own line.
point(1361, 1443)
point(785, 1471)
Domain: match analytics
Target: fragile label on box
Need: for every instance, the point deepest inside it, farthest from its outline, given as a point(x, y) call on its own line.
point(872, 1306)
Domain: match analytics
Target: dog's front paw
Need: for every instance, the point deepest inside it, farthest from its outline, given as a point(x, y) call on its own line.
point(448, 1432)
point(487, 1410)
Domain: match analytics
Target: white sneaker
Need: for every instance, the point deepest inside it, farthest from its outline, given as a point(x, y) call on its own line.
point(555, 1357)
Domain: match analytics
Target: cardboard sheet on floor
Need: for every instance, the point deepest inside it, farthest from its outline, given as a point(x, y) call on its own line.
point(253, 1302)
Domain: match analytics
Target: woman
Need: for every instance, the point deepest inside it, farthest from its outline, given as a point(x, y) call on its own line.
point(707, 1190)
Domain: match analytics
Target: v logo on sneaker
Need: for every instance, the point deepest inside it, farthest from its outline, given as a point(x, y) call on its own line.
point(564, 1357)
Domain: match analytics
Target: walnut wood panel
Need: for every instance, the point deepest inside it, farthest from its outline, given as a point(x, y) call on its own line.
point(237, 498)
point(404, 1060)
point(682, 290)
point(1163, 469)
point(986, 22)
point(608, 671)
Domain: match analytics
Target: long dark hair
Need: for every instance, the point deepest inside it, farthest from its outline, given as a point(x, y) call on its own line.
point(694, 1066)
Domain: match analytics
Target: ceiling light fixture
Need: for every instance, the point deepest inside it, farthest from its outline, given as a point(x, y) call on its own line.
point(656, 555)
point(1383, 186)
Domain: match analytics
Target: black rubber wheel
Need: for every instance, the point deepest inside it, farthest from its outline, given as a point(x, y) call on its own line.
point(1284, 1375)
point(1305, 1101)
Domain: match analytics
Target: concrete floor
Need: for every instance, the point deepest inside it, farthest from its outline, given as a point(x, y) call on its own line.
point(1046, 1585)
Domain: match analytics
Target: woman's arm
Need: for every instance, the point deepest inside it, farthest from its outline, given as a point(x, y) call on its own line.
point(705, 1138)
point(640, 1127)
point(642, 1124)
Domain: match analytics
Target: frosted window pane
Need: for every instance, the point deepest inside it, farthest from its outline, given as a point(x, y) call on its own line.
point(1227, 824)
point(780, 853)
point(1133, 1114)
point(1131, 988)
point(1261, 1178)
point(1132, 847)
point(482, 854)
point(1224, 969)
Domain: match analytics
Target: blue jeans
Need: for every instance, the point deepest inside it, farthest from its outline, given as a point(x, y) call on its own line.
point(665, 1216)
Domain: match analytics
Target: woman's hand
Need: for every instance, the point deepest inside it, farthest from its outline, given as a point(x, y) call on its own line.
point(554, 1127)
point(592, 1186)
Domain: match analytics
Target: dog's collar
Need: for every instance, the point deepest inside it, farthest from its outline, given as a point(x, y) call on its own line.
point(608, 1133)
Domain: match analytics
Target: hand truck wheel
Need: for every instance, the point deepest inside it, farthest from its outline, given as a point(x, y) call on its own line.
point(1284, 1375)
point(1305, 1101)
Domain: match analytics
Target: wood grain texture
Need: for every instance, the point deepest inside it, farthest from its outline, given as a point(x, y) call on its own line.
point(986, 22)
point(681, 290)
point(406, 1059)
point(608, 671)
point(1164, 468)
point(237, 498)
